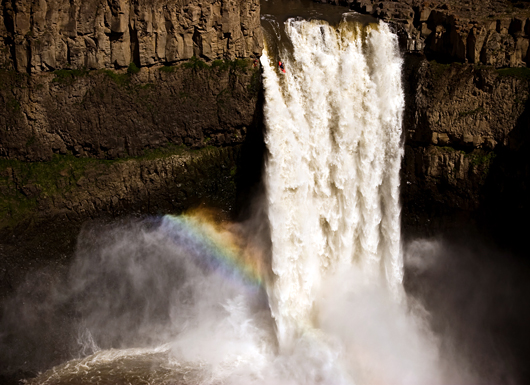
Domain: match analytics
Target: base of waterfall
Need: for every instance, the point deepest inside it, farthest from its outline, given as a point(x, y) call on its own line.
point(360, 335)
point(176, 300)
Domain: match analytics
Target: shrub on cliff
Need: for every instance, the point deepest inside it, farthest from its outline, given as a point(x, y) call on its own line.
point(133, 69)
point(195, 63)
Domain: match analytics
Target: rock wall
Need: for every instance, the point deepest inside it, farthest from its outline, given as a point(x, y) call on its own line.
point(89, 89)
point(464, 107)
point(106, 114)
point(466, 133)
point(73, 189)
point(45, 35)
point(116, 108)
point(479, 32)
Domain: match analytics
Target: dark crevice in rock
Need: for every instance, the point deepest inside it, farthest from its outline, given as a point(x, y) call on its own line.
point(251, 164)
point(8, 7)
point(115, 36)
point(135, 47)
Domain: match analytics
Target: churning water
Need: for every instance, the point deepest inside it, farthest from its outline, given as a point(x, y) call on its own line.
point(191, 302)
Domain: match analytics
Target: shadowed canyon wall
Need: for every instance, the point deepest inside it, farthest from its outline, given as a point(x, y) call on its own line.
point(117, 108)
point(111, 108)
point(114, 80)
point(466, 133)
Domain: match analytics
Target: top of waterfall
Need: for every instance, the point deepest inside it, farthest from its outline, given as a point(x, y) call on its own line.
point(308, 9)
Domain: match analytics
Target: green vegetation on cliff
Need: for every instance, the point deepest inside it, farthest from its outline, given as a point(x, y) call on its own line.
point(481, 158)
point(518, 72)
point(67, 76)
point(121, 79)
point(30, 189)
point(133, 69)
point(23, 183)
point(438, 69)
point(450, 149)
point(196, 64)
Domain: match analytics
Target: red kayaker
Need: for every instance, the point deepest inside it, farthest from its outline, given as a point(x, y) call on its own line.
point(282, 66)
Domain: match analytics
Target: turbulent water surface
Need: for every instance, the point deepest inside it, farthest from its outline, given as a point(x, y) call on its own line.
point(182, 300)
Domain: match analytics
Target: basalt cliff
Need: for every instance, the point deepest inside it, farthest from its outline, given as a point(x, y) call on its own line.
point(122, 107)
point(466, 136)
point(37, 36)
point(113, 108)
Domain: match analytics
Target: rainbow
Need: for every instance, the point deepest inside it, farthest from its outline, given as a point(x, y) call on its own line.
point(213, 244)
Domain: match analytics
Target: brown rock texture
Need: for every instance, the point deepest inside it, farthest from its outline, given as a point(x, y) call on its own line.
point(45, 35)
point(107, 114)
point(118, 108)
point(104, 80)
point(466, 134)
point(73, 189)
point(487, 32)
point(465, 107)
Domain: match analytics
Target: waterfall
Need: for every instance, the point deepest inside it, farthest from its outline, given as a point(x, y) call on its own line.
point(332, 177)
point(189, 299)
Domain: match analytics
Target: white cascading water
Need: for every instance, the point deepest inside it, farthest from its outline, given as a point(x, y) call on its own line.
point(332, 177)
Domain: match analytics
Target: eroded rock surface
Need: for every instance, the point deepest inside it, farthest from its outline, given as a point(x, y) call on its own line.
point(44, 35)
point(487, 32)
point(94, 94)
point(110, 115)
point(466, 134)
point(75, 189)
point(464, 107)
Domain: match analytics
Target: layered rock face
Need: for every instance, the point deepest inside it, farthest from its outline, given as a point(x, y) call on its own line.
point(479, 32)
point(467, 130)
point(64, 89)
point(108, 115)
point(464, 107)
point(47, 35)
point(76, 189)
point(86, 134)
point(82, 145)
